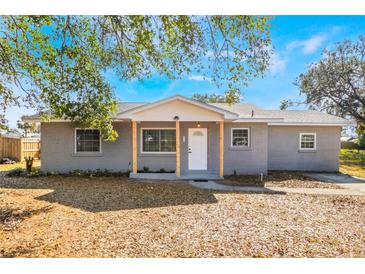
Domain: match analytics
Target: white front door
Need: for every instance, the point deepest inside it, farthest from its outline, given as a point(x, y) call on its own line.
point(198, 148)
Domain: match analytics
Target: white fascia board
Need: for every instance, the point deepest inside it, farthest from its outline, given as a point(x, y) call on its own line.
point(257, 120)
point(129, 113)
point(312, 124)
point(38, 120)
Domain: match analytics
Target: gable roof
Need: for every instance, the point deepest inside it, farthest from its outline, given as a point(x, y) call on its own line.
point(239, 112)
point(227, 113)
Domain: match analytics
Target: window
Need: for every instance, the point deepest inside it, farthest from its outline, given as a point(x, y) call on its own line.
point(159, 140)
point(307, 141)
point(240, 137)
point(87, 140)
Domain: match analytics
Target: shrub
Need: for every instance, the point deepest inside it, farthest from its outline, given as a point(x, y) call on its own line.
point(18, 172)
point(146, 169)
point(36, 172)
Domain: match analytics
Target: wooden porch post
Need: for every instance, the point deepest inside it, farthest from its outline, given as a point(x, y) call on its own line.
point(134, 147)
point(221, 148)
point(177, 148)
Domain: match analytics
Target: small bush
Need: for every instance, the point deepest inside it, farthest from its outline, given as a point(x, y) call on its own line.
point(18, 172)
point(36, 172)
point(146, 169)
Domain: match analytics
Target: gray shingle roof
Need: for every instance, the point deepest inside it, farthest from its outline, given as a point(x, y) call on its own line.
point(246, 110)
point(129, 105)
point(304, 116)
point(243, 109)
point(288, 116)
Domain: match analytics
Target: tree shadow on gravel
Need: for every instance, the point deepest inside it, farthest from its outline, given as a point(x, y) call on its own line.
point(112, 193)
point(12, 215)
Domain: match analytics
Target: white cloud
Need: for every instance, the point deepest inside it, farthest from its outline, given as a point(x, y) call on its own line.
point(199, 78)
point(277, 63)
point(310, 45)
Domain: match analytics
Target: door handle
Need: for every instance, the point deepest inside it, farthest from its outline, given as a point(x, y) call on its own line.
point(189, 150)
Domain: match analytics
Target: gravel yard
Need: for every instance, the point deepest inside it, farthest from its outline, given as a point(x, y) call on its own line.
point(280, 179)
point(116, 217)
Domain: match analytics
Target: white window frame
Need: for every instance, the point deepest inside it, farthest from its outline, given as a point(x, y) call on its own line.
point(86, 152)
point(248, 136)
point(300, 141)
point(155, 152)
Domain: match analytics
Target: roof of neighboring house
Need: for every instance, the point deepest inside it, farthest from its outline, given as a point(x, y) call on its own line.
point(14, 133)
point(348, 139)
point(242, 112)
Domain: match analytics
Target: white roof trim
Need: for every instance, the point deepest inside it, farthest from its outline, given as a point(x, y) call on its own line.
point(312, 124)
point(227, 114)
point(38, 120)
point(257, 120)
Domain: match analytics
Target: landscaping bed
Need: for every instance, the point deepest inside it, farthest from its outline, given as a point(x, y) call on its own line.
point(279, 179)
point(114, 217)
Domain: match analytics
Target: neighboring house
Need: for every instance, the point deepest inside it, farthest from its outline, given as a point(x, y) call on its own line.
point(197, 140)
point(12, 133)
point(348, 142)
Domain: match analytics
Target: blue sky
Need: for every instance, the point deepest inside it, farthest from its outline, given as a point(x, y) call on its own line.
point(297, 40)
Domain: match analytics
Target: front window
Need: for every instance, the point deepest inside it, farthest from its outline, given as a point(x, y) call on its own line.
point(308, 141)
point(240, 137)
point(159, 140)
point(87, 140)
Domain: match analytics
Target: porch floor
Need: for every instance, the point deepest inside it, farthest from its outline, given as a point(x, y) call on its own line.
point(204, 175)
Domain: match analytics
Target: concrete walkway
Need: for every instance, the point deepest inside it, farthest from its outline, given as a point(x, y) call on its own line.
point(343, 180)
point(274, 190)
point(230, 188)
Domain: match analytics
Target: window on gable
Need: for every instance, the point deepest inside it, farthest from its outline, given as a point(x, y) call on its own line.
point(307, 141)
point(158, 140)
point(87, 140)
point(240, 137)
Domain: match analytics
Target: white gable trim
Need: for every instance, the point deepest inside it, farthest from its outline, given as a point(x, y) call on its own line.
point(227, 114)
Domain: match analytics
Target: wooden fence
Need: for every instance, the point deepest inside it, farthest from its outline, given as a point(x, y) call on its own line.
point(20, 147)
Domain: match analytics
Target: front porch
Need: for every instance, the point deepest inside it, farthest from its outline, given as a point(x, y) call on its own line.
point(198, 160)
point(177, 134)
point(172, 176)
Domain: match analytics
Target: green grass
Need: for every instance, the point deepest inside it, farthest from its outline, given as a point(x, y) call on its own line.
point(352, 162)
point(8, 167)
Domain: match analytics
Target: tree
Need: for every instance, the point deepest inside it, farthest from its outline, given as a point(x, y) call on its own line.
point(59, 64)
point(288, 103)
point(26, 127)
point(336, 84)
point(216, 98)
point(3, 123)
point(361, 141)
point(285, 104)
